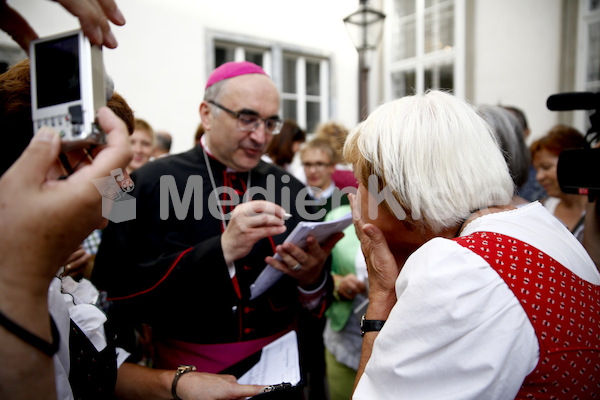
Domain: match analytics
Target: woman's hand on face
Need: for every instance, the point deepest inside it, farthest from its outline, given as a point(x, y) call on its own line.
point(381, 264)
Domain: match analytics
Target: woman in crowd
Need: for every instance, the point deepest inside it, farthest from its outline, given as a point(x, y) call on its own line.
point(510, 136)
point(142, 143)
point(567, 207)
point(469, 297)
point(285, 145)
point(342, 333)
point(336, 134)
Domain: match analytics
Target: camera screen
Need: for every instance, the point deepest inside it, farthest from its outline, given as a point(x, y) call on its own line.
point(57, 71)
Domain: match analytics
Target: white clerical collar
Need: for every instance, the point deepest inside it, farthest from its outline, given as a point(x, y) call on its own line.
point(325, 194)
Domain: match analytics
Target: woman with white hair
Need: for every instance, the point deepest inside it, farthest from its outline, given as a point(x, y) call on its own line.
point(469, 297)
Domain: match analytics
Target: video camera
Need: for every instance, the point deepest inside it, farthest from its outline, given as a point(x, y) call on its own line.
point(578, 170)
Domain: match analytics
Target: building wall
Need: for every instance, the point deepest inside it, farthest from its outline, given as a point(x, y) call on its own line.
point(514, 56)
point(160, 68)
point(513, 52)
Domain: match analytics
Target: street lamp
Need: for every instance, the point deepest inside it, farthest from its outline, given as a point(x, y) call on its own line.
point(364, 26)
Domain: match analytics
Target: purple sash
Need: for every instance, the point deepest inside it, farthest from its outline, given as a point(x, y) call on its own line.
point(213, 358)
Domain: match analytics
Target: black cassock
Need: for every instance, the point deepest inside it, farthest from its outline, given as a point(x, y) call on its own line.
point(171, 274)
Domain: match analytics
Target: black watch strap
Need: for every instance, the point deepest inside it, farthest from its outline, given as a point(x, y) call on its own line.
point(370, 325)
point(182, 369)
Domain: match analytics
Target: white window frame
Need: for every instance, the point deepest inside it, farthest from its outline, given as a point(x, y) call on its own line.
point(585, 19)
point(273, 56)
point(301, 97)
point(421, 61)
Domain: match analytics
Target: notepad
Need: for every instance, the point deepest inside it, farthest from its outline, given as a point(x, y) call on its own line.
point(279, 362)
point(320, 230)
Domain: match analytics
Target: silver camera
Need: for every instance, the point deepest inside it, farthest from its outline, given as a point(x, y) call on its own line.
point(68, 88)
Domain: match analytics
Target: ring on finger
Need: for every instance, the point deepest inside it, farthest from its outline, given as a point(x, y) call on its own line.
point(297, 267)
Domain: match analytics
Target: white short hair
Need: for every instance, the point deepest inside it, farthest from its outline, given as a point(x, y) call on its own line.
point(439, 159)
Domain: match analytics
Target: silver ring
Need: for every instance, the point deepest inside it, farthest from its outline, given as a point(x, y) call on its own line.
point(297, 267)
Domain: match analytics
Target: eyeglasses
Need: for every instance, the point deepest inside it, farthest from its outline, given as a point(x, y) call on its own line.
point(250, 122)
point(317, 165)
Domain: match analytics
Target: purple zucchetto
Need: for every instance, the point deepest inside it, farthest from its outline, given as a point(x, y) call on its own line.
point(233, 69)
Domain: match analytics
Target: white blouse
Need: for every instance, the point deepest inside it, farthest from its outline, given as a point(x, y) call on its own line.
point(457, 331)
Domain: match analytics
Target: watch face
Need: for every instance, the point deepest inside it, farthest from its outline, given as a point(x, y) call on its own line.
point(182, 369)
point(364, 322)
point(362, 325)
point(186, 368)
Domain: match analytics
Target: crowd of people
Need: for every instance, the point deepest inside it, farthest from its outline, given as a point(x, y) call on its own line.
point(460, 277)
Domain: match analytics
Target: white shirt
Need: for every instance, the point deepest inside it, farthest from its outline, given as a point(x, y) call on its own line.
point(457, 331)
point(68, 299)
point(324, 194)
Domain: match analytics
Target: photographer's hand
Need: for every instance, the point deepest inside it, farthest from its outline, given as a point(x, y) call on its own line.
point(46, 220)
point(93, 16)
point(42, 223)
point(16, 26)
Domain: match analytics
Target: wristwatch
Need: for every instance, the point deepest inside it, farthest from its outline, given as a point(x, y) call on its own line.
point(370, 325)
point(182, 369)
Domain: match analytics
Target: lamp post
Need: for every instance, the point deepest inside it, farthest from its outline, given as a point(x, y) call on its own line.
point(364, 26)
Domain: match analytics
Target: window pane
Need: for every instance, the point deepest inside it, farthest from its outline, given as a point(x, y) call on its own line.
point(403, 83)
point(404, 7)
point(447, 25)
point(289, 75)
point(254, 56)
point(447, 77)
point(313, 115)
point(223, 55)
point(289, 109)
point(593, 62)
point(404, 44)
point(429, 76)
point(439, 26)
point(439, 77)
point(403, 30)
point(408, 40)
point(313, 78)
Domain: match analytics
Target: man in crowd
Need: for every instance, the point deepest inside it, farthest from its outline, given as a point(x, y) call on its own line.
point(185, 267)
point(162, 145)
